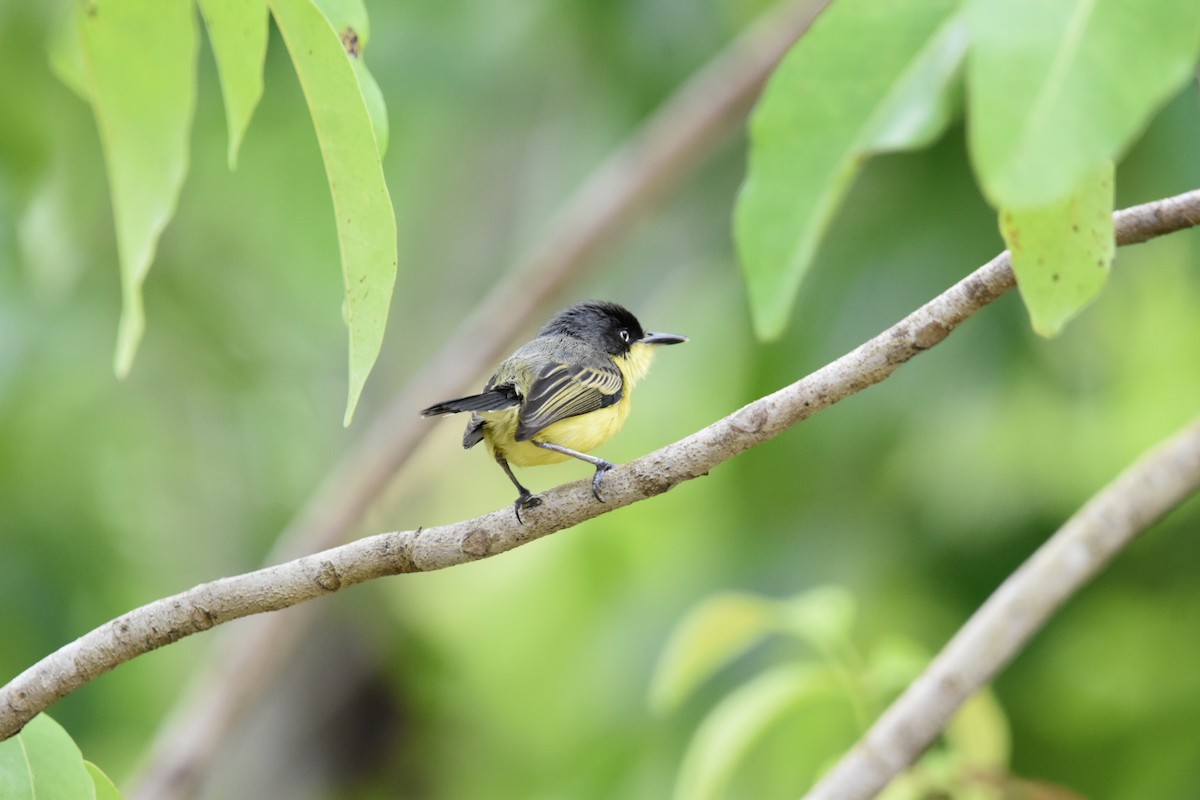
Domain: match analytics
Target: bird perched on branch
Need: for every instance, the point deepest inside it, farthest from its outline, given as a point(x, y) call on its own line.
point(562, 394)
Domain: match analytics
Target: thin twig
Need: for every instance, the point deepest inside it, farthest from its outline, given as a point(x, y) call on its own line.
point(996, 633)
point(198, 609)
point(656, 158)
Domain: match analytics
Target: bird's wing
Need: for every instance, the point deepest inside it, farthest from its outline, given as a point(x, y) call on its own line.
point(567, 390)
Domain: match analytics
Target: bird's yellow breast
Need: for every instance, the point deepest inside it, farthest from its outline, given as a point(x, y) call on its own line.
point(583, 433)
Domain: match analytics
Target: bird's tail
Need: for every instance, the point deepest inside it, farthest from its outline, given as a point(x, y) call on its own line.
point(492, 400)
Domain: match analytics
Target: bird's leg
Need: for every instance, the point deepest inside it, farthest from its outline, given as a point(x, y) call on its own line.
point(600, 464)
point(526, 498)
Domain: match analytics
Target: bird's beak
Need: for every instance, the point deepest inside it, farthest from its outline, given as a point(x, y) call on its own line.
point(663, 338)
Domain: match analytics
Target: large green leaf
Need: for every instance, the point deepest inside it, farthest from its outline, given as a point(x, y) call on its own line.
point(349, 18)
point(42, 762)
point(1061, 252)
point(366, 224)
point(870, 76)
point(140, 57)
point(1057, 89)
point(238, 32)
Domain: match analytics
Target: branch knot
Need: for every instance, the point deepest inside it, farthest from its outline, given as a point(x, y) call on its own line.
point(327, 577)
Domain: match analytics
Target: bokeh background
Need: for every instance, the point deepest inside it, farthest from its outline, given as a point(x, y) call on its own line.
point(526, 675)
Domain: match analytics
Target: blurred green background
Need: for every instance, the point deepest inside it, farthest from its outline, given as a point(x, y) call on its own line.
point(525, 675)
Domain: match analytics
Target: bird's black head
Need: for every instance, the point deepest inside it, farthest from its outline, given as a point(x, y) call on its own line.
point(608, 326)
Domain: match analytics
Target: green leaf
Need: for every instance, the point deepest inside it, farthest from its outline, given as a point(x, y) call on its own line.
point(727, 733)
point(140, 57)
point(868, 77)
point(714, 633)
point(42, 762)
point(1057, 89)
point(894, 662)
point(238, 32)
point(349, 19)
point(65, 50)
point(1061, 252)
point(366, 224)
point(823, 617)
point(105, 788)
point(978, 735)
point(373, 97)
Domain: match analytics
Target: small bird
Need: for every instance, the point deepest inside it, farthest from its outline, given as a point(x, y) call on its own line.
point(562, 394)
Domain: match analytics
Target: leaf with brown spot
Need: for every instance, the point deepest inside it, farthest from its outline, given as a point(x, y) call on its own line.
point(1056, 248)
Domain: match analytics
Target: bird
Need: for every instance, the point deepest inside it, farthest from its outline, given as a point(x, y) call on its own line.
point(562, 394)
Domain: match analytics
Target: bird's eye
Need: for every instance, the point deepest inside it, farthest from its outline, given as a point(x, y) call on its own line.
point(624, 334)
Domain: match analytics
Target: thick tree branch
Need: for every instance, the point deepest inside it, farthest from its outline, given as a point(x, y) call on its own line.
point(198, 609)
point(1139, 497)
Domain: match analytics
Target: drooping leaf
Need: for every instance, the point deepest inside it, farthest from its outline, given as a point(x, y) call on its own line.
point(1061, 253)
point(105, 788)
point(366, 225)
point(1057, 89)
point(714, 633)
point(140, 57)
point(868, 77)
point(727, 733)
point(349, 19)
point(238, 32)
point(42, 762)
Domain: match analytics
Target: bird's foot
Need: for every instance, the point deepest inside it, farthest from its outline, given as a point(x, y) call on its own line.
point(601, 468)
point(526, 499)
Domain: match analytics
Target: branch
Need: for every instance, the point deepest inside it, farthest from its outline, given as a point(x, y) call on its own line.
point(1139, 497)
point(273, 588)
point(656, 158)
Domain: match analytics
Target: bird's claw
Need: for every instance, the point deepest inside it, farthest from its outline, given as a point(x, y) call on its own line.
point(601, 468)
point(525, 500)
